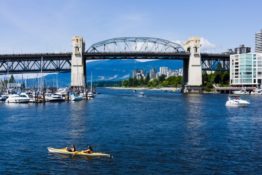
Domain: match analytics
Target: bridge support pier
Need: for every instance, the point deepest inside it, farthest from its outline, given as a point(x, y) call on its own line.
point(78, 65)
point(192, 67)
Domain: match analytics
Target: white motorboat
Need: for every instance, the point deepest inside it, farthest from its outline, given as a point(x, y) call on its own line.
point(3, 97)
point(15, 98)
point(256, 92)
point(90, 95)
point(236, 101)
point(62, 91)
point(53, 97)
point(141, 94)
point(241, 92)
point(74, 97)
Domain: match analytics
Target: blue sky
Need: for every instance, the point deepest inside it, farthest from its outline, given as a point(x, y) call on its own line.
point(48, 25)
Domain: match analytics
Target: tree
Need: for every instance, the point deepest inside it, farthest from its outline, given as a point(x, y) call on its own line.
point(125, 83)
point(225, 78)
point(12, 79)
point(147, 78)
point(162, 78)
point(135, 82)
point(218, 78)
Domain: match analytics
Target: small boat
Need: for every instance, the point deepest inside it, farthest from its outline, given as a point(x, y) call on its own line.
point(90, 95)
point(256, 92)
point(235, 101)
point(3, 97)
point(74, 97)
point(243, 91)
point(15, 98)
point(141, 94)
point(53, 97)
point(77, 153)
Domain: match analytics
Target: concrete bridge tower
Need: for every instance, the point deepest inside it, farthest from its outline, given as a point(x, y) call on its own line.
point(192, 67)
point(78, 65)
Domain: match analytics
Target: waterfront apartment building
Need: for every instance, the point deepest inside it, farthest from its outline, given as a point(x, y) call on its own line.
point(242, 49)
point(246, 69)
point(259, 42)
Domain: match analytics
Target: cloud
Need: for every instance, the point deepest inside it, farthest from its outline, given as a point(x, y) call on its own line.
point(207, 46)
point(178, 42)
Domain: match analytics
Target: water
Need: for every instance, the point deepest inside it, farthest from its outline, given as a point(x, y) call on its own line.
point(161, 133)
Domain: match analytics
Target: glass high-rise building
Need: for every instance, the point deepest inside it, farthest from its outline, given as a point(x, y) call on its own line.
point(246, 69)
point(259, 42)
point(163, 71)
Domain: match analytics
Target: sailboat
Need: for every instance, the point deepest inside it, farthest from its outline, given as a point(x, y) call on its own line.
point(91, 94)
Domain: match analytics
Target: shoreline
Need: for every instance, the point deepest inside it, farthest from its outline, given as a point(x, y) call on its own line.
point(145, 88)
point(156, 89)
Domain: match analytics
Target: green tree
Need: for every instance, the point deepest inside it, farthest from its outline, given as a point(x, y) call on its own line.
point(12, 79)
point(125, 83)
point(225, 78)
point(147, 79)
point(135, 82)
point(161, 78)
point(218, 78)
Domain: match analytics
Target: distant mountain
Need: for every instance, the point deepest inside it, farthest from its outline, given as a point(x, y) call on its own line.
point(111, 70)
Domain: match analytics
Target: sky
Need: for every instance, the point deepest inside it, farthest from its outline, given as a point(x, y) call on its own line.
point(32, 26)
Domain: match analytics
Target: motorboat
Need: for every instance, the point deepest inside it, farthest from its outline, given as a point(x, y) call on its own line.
point(141, 94)
point(3, 97)
point(90, 95)
point(62, 91)
point(15, 98)
point(74, 97)
point(49, 97)
point(36, 98)
point(241, 92)
point(236, 101)
point(256, 92)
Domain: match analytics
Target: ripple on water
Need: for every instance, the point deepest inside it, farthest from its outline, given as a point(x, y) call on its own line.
point(162, 133)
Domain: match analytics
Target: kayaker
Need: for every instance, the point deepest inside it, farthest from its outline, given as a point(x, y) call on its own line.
point(89, 150)
point(72, 149)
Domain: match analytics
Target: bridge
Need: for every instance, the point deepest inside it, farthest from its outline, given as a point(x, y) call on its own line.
point(118, 48)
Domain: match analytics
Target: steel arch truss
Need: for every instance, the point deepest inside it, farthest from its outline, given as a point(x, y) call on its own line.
point(215, 65)
point(30, 64)
point(136, 44)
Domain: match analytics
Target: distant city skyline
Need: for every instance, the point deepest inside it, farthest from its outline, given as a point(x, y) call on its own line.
point(48, 26)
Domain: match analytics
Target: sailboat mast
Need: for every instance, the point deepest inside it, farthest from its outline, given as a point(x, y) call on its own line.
point(91, 82)
point(41, 74)
point(57, 81)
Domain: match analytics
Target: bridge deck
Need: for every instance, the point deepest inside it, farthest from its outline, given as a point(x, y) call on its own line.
point(61, 62)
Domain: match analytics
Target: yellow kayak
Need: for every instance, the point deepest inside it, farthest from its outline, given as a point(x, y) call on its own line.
point(77, 153)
